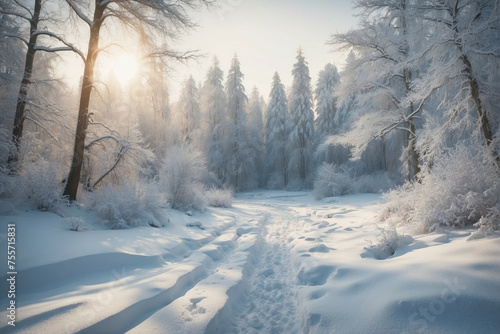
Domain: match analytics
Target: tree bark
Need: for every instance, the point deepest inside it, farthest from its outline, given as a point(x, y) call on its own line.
point(17, 131)
point(412, 138)
point(71, 189)
point(481, 113)
point(414, 154)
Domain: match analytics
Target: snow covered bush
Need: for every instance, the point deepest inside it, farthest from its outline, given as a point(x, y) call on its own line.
point(373, 183)
point(461, 189)
point(220, 198)
point(6, 181)
point(491, 221)
point(331, 181)
point(41, 182)
point(121, 206)
point(180, 175)
point(77, 224)
point(389, 241)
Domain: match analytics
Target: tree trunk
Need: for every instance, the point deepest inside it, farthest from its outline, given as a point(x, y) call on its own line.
point(481, 113)
point(17, 132)
point(73, 181)
point(302, 167)
point(415, 167)
point(285, 168)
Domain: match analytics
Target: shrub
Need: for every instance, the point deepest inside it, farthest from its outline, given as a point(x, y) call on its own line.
point(373, 183)
point(491, 221)
point(220, 198)
point(180, 175)
point(332, 181)
point(41, 182)
point(7, 181)
point(127, 205)
point(389, 241)
point(461, 189)
point(77, 224)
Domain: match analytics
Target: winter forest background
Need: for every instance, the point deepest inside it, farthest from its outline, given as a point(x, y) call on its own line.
point(414, 112)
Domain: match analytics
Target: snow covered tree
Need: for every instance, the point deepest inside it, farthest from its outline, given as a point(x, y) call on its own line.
point(158, 127)
point(11, 71)
point(256, 133)
point(240, 168)
point(180, 174)
point(213, 108)
point(382, 76)
point(276, 136)
point(326, 102)
point(187, 117)
point(301, 135)
point(328, 150)
point(463, 51)
point(150, 19)
point(35, 17)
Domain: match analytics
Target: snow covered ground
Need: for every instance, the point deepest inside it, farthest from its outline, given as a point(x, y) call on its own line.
point(276, 262)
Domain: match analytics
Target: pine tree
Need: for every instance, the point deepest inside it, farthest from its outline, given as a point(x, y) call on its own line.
point(301, 136)
point(256, 133)
point(188, 114)
point(213, 107)
point(326, 103)
point(239, 165)
point(277, 135)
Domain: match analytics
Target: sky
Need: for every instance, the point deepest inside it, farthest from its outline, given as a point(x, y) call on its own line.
point(265, 34)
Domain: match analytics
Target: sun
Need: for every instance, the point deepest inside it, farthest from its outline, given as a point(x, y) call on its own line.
point(125, 68)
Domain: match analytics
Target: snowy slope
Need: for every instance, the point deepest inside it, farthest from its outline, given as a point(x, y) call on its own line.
point(275, 262)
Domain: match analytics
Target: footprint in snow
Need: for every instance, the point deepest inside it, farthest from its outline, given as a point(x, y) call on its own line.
point(320, 249)
point(315, 276)
point(267, 272)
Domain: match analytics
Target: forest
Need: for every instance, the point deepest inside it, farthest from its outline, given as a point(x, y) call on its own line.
point(414, 114)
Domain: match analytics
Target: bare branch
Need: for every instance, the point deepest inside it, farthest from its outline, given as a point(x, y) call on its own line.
point(62, 40)
point(80, 13)
point(6, 12)
point(112, 137)
point(104, 48)
point(180, 56)
point(104, 126)
point(24, 7)
point(120, 155)
point(19, 38)
point(27, 117)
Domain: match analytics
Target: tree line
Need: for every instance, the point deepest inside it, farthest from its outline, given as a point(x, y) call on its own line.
point(421, 79)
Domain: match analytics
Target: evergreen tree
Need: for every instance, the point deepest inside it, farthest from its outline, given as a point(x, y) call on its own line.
point(301, 136)
point(240, 166)
point(277, 135)
point(326, 103)
point(188, 114)
point(213, 106)
point(256, 132)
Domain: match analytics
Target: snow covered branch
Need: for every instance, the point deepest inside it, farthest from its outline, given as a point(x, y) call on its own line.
point(79, 13)
point(69, 46)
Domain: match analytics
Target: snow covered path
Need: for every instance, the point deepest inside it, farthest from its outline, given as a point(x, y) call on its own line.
point(276, 262)
point(261, 285)
point(271, 303)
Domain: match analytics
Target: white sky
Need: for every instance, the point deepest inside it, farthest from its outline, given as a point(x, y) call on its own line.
point(265, 34)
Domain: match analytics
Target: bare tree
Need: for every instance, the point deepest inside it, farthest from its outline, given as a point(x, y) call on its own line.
point(152, 19)
point(22, 11)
